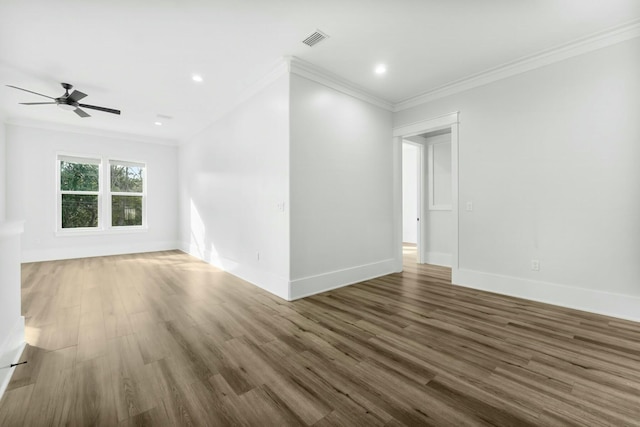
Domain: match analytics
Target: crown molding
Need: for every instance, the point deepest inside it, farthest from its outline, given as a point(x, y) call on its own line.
point(324, 77)
point(292, 65)
point(277, 70)
point(416, 128)
point(87, 131)
point(549, 56)
point(295, 65)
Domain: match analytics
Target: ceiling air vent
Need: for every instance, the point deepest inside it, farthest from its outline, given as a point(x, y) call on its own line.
point(315, 38)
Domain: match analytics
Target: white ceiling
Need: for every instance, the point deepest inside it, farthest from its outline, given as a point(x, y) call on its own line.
point(138, 56)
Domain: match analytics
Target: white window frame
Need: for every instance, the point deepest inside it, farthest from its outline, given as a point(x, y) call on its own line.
point(143, 194)
point(104, 196)
point(83, 159)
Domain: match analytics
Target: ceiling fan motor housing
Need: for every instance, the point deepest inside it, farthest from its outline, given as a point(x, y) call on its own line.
point(66, 104)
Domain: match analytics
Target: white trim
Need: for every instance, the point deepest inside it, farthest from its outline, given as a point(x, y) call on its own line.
point(455, 206)
point(273, 283)
point(85, 160)
point(29, 123)
point(82, 251)
point(423, 126)
point(438, 258)
point(540, 59)
point(397, 202)
point(10, 352)
point(422, 216)
point(324, 77)
point(593, 301)
point(311, 285)
point(127, 163)
point(75, 232)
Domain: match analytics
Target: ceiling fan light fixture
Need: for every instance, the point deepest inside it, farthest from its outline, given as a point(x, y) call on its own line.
point(67, 107)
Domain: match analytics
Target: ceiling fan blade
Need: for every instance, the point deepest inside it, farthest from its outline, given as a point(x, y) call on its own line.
point(76, 96)
point(106, 110)
point(81, 113)
point(30, 91)
point(36, 103)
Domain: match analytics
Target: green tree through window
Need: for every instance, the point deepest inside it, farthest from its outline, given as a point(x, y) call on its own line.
point(127, 193)
point(80, 187)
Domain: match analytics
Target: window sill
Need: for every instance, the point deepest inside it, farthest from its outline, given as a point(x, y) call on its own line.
point(101, 231)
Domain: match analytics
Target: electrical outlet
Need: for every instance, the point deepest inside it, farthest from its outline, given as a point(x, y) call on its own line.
point(535, 265)
point(469, 206)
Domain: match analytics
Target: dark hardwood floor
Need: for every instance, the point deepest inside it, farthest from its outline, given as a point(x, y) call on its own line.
point(163, 339)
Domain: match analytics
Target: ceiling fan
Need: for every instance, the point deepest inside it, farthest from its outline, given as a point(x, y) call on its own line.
point(68, 101)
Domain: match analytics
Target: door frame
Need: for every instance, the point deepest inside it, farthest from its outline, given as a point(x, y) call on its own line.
point(399, 133)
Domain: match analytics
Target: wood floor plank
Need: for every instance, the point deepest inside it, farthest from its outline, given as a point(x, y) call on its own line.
point(53, 389)
point(163, 339)
point(15, 404)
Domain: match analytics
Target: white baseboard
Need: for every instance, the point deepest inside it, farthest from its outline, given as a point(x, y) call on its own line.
point(307, 286)
point(47, 254)
point(594, 301)
point(277, 285)
point(438, 258)
point(10, 352)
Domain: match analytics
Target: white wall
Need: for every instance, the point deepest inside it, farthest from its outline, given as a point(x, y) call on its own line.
point(3, 169)
point(31, 193)
point(234, 176)
point(549, 159)
point(341, 189)
point(410, 195)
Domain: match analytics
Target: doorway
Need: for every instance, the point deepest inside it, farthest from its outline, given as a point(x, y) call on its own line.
point(431, 147)
point(412, 179)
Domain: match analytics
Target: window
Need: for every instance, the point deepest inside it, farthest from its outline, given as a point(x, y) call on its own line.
point(83, 185)
point(79, 196)
point(127, 193)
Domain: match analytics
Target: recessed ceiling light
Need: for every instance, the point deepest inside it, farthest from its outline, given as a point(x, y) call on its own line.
point(196, 78)
point(158, 123)
point(380, 69)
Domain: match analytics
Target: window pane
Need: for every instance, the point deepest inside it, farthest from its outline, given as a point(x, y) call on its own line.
point(126, 210)
point(126, 179)
point(79, 176)
point(79, 210)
